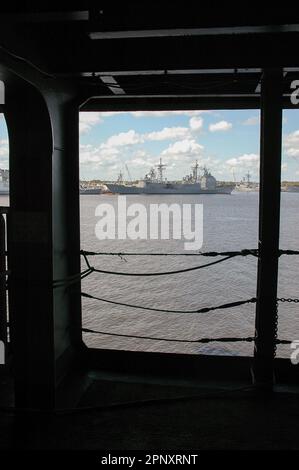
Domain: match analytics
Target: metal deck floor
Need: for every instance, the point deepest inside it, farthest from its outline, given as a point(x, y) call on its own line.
point(225, 420)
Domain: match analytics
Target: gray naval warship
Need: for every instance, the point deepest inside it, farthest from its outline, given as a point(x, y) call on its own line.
point(154, 183)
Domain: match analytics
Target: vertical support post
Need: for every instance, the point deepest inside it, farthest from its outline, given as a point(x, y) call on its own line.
point(269, 221)
point(43, 237)
point(31, 247)
point(66, 232)
point(3, 306)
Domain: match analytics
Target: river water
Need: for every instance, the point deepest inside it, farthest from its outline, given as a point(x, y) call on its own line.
point(230, 223)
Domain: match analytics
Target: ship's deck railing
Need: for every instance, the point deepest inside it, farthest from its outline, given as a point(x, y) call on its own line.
point(67, 282)
point(222, 257)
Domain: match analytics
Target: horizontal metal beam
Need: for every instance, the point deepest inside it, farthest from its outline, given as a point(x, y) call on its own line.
point(124, 73)
point(185, 32)
point(174, 102)
point(44, 17)
point(167, 103)
point(129, 73)
point(205, 95)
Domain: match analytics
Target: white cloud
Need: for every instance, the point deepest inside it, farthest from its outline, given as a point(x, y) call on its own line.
point(249, 157)
point(139, 162)
point(252, 121)
point(248, 160)
point(87, 120)
point(130, 137)
point(186, 147)
point(232, 162)
point(97, 156)
point(220, 126)
point(293, 152)
point(196, 123)
point(239, 166)
point(291, 144)
point(4, 152)
point(168, 133)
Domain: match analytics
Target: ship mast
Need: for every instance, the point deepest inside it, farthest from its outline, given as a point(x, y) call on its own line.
point(195, 169)
point(120, 178)
point(160, 168)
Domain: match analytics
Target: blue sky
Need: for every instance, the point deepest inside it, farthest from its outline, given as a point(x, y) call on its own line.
point(227, 142)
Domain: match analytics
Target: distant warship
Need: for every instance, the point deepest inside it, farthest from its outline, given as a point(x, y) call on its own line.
point(246, 185)
point(154, 183)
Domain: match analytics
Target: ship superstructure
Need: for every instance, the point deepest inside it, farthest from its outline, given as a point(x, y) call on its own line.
point(246, 185)
point(155, 183)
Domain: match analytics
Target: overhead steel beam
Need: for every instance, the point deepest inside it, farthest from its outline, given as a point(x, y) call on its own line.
point(120, 73)
point(186, 32)
point(44, 17)
point(168, 102)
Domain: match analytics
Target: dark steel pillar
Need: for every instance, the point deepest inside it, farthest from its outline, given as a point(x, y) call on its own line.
point(44, 241)
point(269, 218)
point(31, 246)
point(66, 231)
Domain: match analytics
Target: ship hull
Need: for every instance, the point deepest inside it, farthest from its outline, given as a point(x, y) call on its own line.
point(175, 189)
point(246, 190)
point(90, 191)
point(291, 189)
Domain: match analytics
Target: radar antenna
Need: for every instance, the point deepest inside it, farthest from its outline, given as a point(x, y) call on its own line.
point(195, 169)
point(160, 168)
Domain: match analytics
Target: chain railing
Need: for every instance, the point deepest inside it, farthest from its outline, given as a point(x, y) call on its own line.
point(224, 256)
point(73, 279)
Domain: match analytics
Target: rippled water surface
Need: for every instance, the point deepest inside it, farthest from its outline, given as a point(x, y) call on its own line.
point(230, 223)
